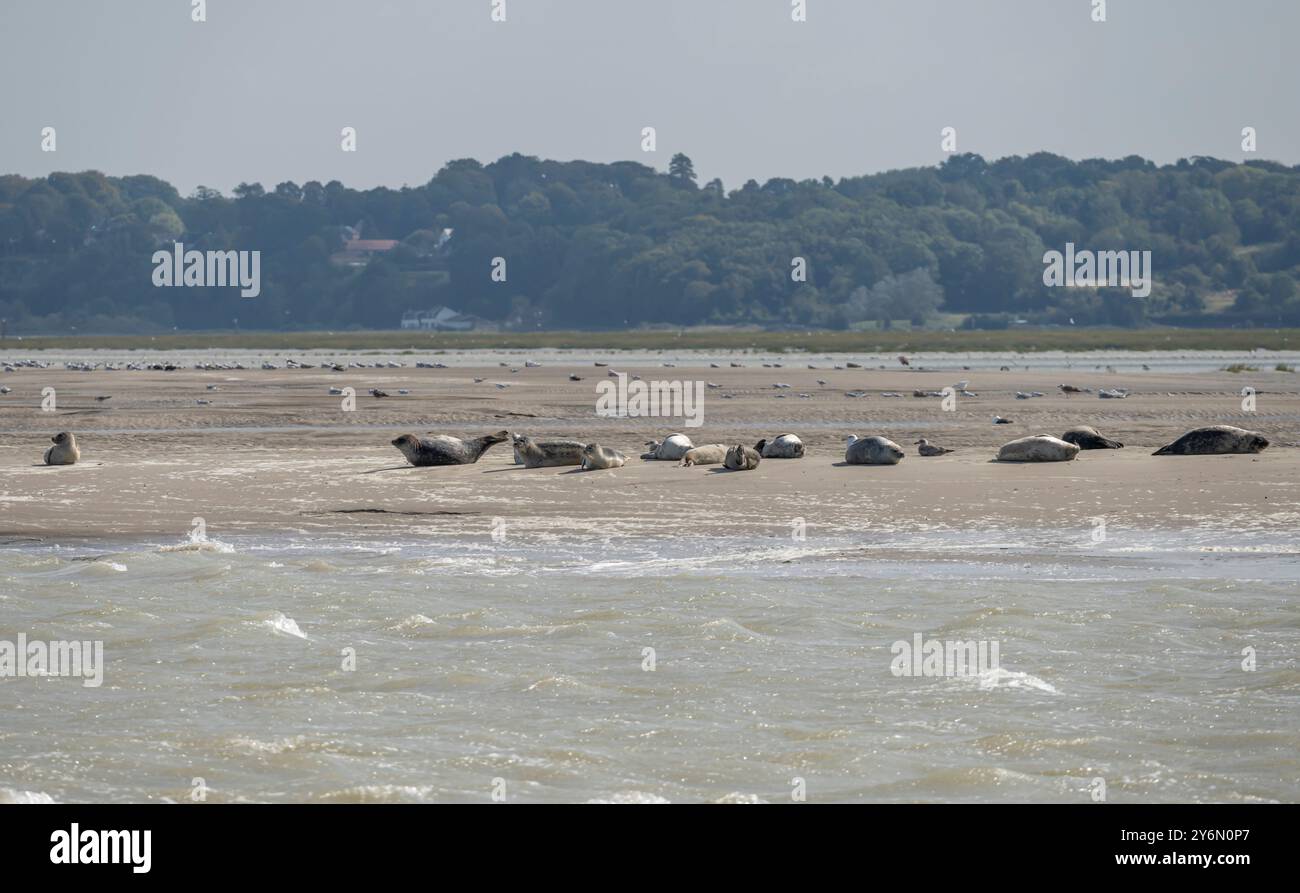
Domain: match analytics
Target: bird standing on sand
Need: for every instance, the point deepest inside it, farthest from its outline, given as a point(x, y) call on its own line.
point(904, 360)
point(998, 420)
point(928, 449)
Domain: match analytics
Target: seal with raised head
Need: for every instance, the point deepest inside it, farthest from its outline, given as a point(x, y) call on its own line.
point(64, 451)
point(783, 446)
point(443, 449)
point(1215, 440)
point(671, 448)
point(1038, 448)
point(742, 458)
point(595, 456)
point(1087, 438)
point(705, 454)
point(548, 453)
point(872, 450)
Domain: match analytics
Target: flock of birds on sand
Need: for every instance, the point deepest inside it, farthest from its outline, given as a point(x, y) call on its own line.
point(445, 449)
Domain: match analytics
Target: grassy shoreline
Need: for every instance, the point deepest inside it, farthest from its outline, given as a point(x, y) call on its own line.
point(1017, 340)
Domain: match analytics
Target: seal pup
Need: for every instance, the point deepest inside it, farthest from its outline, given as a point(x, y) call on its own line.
point(595, 456)
point(1215, 440)
point(742, 458)
point(443, 449)
point(705, 454)
point(64, 451)
point(783, 446)
point(1086, 437)
point(872, 450)
point(548, 453)
point(671, 448)
point(925, 448)
point(1038, 448)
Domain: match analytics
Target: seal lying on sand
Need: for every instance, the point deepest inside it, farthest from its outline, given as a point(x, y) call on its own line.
point(1214, 440)
point(1087, 438)
point(443, 449)
point(1038, 448)
point(742, 458)
point(595, 456)
point(705, 454)
point(672, 448)
point(783, 446)
point(64, 451)
point(548, 453)
point(872, 451)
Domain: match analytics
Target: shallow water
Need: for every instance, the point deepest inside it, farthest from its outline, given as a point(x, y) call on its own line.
point(520, 666)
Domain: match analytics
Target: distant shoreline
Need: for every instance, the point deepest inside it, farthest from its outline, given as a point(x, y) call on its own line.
point(1016, 340)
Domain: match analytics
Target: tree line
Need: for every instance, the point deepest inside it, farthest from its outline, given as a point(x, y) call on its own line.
point(607, 246)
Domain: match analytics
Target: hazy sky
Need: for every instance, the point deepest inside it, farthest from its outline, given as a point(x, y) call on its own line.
point(261, 90)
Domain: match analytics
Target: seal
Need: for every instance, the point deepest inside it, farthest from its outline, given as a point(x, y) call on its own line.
point(1038, 448)
point(1215, 440)
point(671, 448)
point(64, 451)
point(548, 453)
point(742, 458)
point(1087, 438)
point(595, 456)
point(783, 446)
point(705, 454)
point(925, 448)
point(443, 449)
point(872, 451)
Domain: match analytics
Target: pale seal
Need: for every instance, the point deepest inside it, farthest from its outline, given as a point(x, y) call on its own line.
point(742, 458)
point(443, 449)
point(671, 448)
point(872, 450)
point(548, 453)
point(595, 456)
point(1087, 438)
point(64, 451)
point(705, 454)
point(1213, 440)
point(1038, 448)
point(783, 446)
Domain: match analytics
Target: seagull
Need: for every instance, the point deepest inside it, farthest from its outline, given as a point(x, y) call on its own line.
point(822, 382)
point(575, 378)
point(478, 381)
point(998, 420)
point(929, 449)
point(375, 392)
point(102, 399)
point(963, 384)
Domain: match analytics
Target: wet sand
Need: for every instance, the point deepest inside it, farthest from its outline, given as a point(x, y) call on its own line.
point(273, 451)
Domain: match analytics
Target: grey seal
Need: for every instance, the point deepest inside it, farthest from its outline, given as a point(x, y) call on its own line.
point(705, 454)
point(671, 448)
point(783, 446)
point(548, 453)
point(443, 449)
point(1215, 440)
point(64, 451)
point(872, 450)
point(1087, 438)
point(1038, 448)
point(595, 456)
point(742, 458)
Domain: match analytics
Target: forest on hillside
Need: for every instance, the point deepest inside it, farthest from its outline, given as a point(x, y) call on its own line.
point(609, 246)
